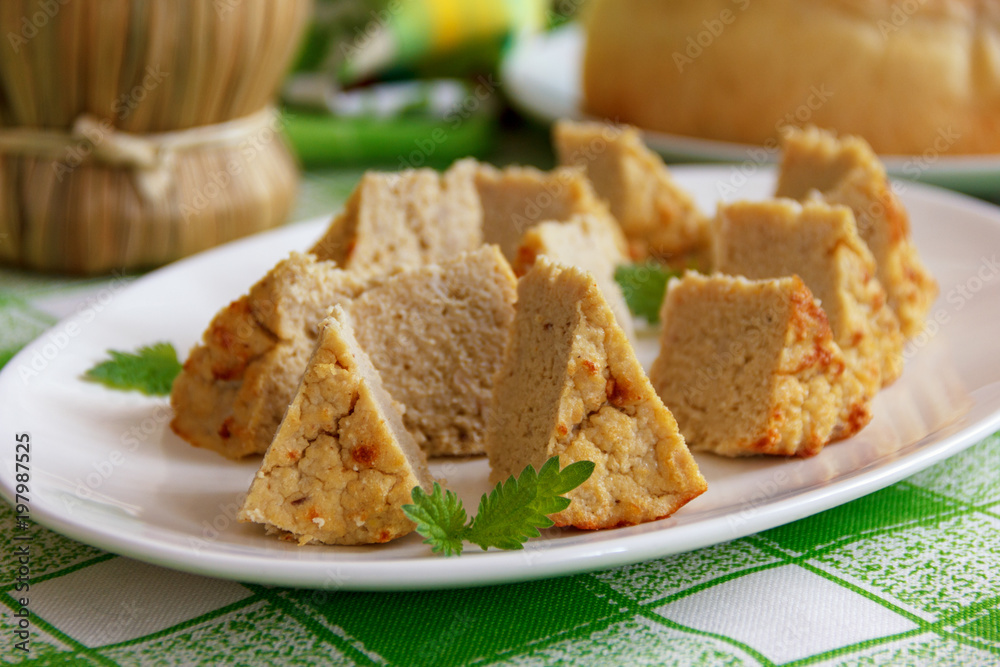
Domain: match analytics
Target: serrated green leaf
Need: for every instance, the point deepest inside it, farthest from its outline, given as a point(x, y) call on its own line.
point(643, 286)
point(516, 509)
point(151, 370)
point(440, 518)
point(508, 516)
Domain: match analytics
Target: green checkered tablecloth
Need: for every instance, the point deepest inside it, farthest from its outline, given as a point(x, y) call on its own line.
point(906, 576)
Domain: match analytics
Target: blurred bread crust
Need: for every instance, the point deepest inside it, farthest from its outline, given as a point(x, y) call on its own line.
point(907, 75)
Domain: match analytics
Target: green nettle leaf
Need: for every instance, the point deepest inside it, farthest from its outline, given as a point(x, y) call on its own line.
point(508, 516)
point(440, 518)
point(643, 286)
point(151, 370)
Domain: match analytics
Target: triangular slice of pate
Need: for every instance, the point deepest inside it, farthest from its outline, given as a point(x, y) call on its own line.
point(846, 171)
point(572, 387)
point(437, 334)
point(820, 244)
point(342, 465)
point(515, 199)
point(658, 217)
point(750, 366)
point(584, 242)
point(405, 219)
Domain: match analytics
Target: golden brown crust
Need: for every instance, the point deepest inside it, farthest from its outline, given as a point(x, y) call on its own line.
point(236, 384)
point(820, 243)
point(749, 367)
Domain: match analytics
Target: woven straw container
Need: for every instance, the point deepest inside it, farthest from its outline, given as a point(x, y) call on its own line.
point(134, 132)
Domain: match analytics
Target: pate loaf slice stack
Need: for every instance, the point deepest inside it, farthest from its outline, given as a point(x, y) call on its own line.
point(572, 387)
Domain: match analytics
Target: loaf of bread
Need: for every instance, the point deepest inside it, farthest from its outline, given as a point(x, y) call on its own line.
point(910, 77)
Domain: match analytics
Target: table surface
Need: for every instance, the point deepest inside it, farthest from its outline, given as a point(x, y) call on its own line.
point(908, 575)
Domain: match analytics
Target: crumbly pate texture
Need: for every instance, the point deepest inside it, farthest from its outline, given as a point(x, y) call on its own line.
point(342, 464)
point(658, 217)
point(584, 242)
point(237, 382)
point(820, 244)
point(847, 171)
point(572, 387)
point(404, 220)
point(515, 199)
point(748, 367)
point(437, 335)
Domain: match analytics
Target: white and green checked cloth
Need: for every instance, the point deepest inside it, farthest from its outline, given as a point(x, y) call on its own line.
point(909, 575)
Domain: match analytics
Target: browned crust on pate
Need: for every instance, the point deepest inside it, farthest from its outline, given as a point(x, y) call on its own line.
point(236, 382)
point(793, 363)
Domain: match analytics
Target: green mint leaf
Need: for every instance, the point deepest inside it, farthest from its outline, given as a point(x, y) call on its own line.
point(151, 370)
point(440, 518)
point(643, 286)
point(508, 515)
point(514, 511)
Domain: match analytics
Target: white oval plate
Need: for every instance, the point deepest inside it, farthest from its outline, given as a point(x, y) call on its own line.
point(542, 77)
point(107, 470)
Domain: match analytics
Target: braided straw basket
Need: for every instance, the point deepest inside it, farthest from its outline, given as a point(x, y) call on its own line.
point(134, 132)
